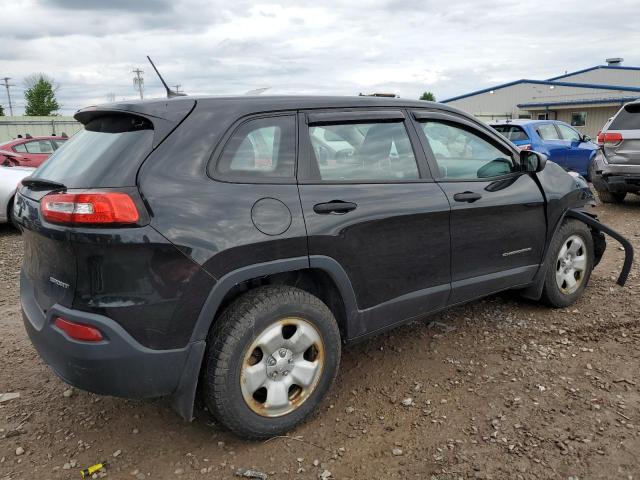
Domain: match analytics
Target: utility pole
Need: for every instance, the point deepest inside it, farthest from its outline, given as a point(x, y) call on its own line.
point(177, 88)
point(138, 82)
point(7, 85)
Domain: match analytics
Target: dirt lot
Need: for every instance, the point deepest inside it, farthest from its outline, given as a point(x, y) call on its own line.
point(500, 388)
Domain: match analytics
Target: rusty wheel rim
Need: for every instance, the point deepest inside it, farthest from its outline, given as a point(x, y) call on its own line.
point(571, 265)
point(282, 367)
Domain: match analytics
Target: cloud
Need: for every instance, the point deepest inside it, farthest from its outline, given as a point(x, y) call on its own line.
point(120, 5)
point(308, 47)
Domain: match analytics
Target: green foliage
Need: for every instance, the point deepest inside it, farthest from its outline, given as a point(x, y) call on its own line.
point(429, 96)
point(1, 111)
point(40, 97)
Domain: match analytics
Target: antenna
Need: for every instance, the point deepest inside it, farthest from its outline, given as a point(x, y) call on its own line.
point(170, 93)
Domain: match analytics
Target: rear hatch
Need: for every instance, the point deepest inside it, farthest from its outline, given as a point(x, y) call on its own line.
point(621, 140)
point(104, 157)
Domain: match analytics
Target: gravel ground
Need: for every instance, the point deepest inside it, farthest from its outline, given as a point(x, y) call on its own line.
point(499, 388)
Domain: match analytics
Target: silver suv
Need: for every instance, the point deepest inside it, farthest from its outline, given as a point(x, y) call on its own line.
point(615, 170)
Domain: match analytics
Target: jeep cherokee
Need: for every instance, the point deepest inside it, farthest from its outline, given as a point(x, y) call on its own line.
point(228, 247)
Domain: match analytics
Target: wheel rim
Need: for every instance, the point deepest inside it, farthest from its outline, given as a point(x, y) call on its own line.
point(282, 367)
point(571, 265)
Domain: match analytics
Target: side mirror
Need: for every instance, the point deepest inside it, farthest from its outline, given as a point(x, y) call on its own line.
point(585, 138)
point(532, 161)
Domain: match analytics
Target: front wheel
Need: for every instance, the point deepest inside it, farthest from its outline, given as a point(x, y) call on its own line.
point(271, 357)
point(569, 264)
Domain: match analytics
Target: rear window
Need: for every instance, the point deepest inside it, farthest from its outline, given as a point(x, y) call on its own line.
point(511, 132)
point(107, 153)
point(627, 119)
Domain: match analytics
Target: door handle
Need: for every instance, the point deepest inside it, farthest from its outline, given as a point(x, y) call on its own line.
point(334, 206)
point(469, 197)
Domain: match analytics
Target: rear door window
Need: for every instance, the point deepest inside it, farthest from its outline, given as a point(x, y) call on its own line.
point(39, 146)
point(261, 150)
point(363, 152)
point(514, 133)
point(547, 131)
point(20, 148)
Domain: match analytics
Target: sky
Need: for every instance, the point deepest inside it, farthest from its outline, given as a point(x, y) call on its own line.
point(304, 47)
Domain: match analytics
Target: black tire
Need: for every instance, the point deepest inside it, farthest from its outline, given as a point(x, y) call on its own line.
point(611, 197)
point(552, 294)
point(10, 220)
point(233, 334)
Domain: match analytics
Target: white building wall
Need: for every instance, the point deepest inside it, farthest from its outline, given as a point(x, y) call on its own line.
point(504, 101)
point(606, 76)
point(11, 127)
point(596, 118)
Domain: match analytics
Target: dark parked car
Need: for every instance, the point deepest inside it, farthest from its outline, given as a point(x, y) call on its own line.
point(615, 170)
point(229, 246)
point(560, 142)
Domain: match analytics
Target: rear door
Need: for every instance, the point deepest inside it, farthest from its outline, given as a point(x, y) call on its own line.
point(555, 147)
point(372, 209)
point(498, 226)
point(578, 152)
point(35, 151)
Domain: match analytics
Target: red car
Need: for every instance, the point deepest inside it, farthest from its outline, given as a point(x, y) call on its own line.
point(29, 151)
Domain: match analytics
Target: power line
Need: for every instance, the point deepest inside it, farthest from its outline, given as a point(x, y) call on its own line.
point(138, 82)
point(7, 85)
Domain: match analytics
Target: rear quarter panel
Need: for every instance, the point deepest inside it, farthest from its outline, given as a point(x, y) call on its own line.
point(209, 221)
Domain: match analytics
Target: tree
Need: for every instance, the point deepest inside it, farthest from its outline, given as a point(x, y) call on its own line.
point(40, 95)
point(1, 111)
point(430, 97)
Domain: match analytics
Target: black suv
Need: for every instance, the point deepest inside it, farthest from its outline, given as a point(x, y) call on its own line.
point(229, 246)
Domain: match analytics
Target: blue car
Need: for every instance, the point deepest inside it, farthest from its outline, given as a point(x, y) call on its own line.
point(562, 143)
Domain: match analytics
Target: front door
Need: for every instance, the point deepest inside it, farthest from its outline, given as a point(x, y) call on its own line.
point(372, 210)
point(578, 152)
point(554, 146)
point(498, 226)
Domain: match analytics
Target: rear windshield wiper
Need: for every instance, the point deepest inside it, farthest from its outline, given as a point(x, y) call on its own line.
point(42, 183)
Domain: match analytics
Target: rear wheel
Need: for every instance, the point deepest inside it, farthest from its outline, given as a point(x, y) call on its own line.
point(611, 197)
point(271, 357)
point(569, 264)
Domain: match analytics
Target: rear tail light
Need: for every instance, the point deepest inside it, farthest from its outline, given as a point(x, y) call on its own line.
point(606, 137)
point(526, 146)
point(98, 208)
point(78, 331)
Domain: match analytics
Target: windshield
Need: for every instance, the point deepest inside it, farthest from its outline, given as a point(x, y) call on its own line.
point(107, 153)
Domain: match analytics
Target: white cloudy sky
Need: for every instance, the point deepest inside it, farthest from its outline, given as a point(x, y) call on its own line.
point(310, 47)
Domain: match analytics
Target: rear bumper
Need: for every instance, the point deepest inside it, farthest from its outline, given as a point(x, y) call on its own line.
point(117, 365)
point(617, 183)
point(615, 177)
